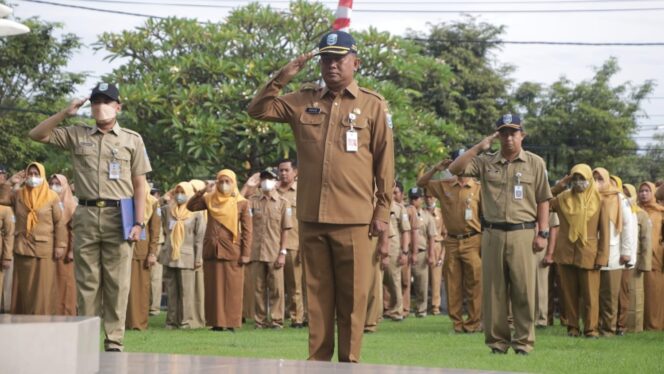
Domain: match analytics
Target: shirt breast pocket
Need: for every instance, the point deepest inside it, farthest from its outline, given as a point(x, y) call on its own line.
point(85, 158)
point(311, 127)
point(360, 126)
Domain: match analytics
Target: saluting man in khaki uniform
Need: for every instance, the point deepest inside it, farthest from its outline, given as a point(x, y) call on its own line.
point(343, 135)
point(110, 163)
point(515, 205)
point(460, 200)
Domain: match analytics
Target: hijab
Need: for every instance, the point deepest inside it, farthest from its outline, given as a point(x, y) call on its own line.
point(223, 207)
point(578, 207)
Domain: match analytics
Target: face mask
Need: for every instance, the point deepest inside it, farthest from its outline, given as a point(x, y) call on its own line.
point(56, 188)
point(103, 112)
point(579, 185)
point(225, 188)
point(34, 181)
point(268, 185)
point(181, 198)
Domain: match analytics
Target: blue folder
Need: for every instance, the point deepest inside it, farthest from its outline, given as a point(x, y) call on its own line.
point(128, 220)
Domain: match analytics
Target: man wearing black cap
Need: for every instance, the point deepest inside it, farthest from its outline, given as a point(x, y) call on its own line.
point(110, 163)
point(272, 218)
point(515, 207)
point(460, 202)
point(343, 135)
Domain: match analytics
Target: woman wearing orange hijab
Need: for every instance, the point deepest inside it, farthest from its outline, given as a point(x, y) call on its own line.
point(653, 283)
point(226, 249)
point(64, 268)
point(40, 241)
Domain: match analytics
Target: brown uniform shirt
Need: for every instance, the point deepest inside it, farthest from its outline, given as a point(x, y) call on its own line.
point(271, 215)
point(399, 223)
point(218, 242)
point(498, 179)
point(49, 232)
point(424, 225)
point(191, 250)
point(657, 219)
point(341, 187)
point(7, 221)
point(292, 239)
point(153, 230)
point(454, 200)
point(92, 154)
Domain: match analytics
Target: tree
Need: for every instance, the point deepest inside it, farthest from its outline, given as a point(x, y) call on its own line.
point(186, 87)
point(33, 84)
point(590, 122)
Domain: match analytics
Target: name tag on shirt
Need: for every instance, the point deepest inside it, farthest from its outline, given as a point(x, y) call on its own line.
point(518, 192)
point(313, 110)
point(351, 141)
point(114, 170)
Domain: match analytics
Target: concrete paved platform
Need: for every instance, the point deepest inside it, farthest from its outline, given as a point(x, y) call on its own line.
point(143, 363)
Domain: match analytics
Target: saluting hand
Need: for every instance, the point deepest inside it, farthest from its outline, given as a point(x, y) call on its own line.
point(485, 144)
point(74, 106)
point(254, 180)
point(443, 164)
point(292, 68)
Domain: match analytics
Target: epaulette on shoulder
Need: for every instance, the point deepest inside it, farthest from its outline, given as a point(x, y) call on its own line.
point(132, 132)
point(374, 93)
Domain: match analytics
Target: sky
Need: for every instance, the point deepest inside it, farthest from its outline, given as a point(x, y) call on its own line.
point(537, 63)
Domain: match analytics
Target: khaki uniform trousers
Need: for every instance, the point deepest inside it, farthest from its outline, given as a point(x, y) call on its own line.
point(578, 284)
point(375, 296)
point(542, 291)
point(268, 292)
point(293, 286)
point(609, 291)
point(405, 289)
point(102, 265)
point(248, 292)
point(436, 280)
point(182, 295)
point(508, 275)
point(420, 270)
point(630, 301)
point(338, 263)
point(463, 280)
point(393, 300)
point(6, 288)
point(156, 288)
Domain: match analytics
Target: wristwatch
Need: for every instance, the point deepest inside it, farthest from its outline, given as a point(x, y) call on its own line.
point(283, 251)
point(141, 224)
point(543, 234)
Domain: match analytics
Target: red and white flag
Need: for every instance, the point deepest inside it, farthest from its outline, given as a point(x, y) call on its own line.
point(342, 20)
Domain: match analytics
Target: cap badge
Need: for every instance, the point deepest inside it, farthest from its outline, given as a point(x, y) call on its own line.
point(507, 119)
point(332, 39)
point(103, 86)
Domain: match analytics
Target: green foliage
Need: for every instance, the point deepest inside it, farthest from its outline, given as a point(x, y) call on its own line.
point(186, 86)
point(33, 84)
point(590, 122)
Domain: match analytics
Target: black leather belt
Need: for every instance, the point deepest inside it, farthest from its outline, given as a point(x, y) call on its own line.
point(101, 203)
point(463, 236)
point(509, 226)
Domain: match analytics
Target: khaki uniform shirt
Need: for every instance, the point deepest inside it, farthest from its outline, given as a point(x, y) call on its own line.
point(644, 251)
point(657, 220)
point(454, 200)
point(424, 225)
point(498, 178)
point(92, 154)
point(7, 221)
point(292, 239)
point(341, 187)
point(191, 250)
point(271, 215)
point(399, 223)
point(49, 233)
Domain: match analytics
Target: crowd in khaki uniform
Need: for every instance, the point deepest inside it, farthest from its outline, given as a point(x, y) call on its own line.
point(352, 253)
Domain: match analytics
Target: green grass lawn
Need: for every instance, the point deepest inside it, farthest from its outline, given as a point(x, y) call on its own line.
point(426, 342)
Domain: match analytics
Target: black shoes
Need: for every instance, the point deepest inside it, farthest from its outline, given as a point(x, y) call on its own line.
point(521, 352)
point(497, 351)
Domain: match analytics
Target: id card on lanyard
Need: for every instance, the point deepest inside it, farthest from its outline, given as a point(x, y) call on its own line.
point(114, 168)
point(351, 135)
point(518, 188)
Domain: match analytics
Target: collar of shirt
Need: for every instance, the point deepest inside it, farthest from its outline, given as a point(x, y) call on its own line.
point(353, 89)
point(272, 195)
point(498, 157)
point(292, 187)
point(114, 130)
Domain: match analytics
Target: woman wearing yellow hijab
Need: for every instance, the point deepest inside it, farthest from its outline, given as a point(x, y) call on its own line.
point(41, 239)
point(631, 299)
point(64, 268)
point(226, 250)
point(182, 255)
point(145, 255)
point(582, 248)
point(653, 314)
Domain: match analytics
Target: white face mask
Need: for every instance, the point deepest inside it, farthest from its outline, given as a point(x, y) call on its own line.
point(225, 188)
point(103, 112)
point(181, 198)
point(579, 185)
point(268, 185)
point(56, 188)
point(34, 181)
